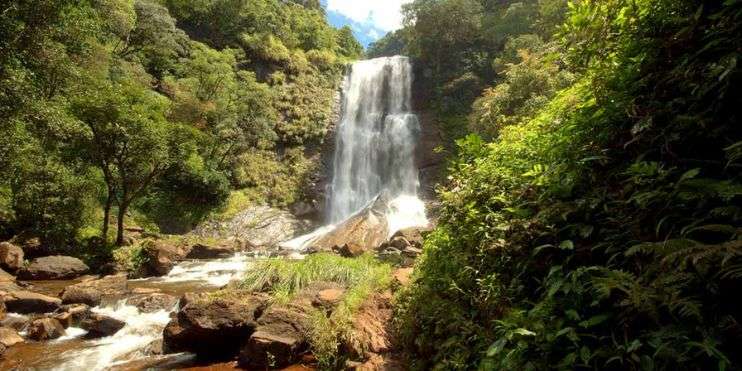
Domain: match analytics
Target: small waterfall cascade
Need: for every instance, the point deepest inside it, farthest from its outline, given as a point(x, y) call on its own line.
point(376, 137)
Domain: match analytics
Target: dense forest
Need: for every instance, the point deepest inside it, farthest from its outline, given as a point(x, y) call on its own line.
point(590, 217)
point(162, 111)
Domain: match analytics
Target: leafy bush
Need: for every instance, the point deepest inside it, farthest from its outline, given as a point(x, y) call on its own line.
point(603, 232)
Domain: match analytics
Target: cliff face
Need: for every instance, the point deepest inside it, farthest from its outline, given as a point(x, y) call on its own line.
point(432, 146)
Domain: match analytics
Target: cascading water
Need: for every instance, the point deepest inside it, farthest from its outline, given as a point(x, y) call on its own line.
point(376, 137)
point(375, 148)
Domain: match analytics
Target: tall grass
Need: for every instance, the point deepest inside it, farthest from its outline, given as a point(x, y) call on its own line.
point(287, 277)
point(362, 277)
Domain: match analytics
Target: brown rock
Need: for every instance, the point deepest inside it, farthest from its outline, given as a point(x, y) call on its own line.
point(161, 257)
point(11, 257)
point(53, 268)
point(212, 326)
point(364, 231)
point(91, 292)
point(350, 250)
point(201, 251)
point(31, 245)
point(6, 277)
point(279, 340)
point(23, 302)
point(45, 329)
point(150, 303)
point(72, 315)
point(9, 337)
point(98, 325)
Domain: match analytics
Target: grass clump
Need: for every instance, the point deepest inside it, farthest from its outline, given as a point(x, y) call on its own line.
point(362, 277)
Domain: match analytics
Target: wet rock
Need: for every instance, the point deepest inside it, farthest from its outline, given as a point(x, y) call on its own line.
point(279, 340)
point(161, 256)
point(15, 321)
point(45, 329)
point(145, 290)
point(364, 231)
point(9, 337)
point(91, 292)
point(11, 257)
point(56, 267)
point(212, 326)
point(21, 301)
point(98, 325)
point(72, 315)
point(150, 303)
point(256, 226)
point(201, 251)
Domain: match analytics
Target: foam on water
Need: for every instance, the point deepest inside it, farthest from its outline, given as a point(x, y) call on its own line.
point(141, 330)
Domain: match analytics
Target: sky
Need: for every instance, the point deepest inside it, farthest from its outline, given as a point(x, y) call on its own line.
point(369, 19)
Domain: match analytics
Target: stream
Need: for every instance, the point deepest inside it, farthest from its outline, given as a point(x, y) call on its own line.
point(125, 350)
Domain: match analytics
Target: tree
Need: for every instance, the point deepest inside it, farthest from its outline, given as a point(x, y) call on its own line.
point(128, 141)
point(347, 44)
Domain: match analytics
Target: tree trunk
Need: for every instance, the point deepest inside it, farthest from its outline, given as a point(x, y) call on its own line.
point(120, 224)
point(107, 215)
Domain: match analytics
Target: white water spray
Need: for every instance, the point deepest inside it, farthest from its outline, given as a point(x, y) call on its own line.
point(376, 137)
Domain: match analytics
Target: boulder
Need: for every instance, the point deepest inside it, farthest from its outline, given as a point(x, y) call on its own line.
point(72, 315)
point(9, 337)
point(279, 340)
point(161, 256)
point(260, 226)
point(31, 245)
point(56, 267)
point(362, 232)
point(6, 277)
point(212, 326)
point(11, 257)
point(45, 329)
point(414, 235)
point(98, 325)
point(91, 292)
point(350, 250)
point(155, 302)
point(22, 301)
point(16, 322)
point(201, 251)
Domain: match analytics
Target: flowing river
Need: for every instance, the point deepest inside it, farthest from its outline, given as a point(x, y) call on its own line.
point(127, 349)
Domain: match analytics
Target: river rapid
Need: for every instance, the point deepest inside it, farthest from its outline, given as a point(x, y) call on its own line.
point(128, 348)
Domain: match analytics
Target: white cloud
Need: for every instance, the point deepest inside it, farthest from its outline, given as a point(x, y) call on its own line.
point(385, 15)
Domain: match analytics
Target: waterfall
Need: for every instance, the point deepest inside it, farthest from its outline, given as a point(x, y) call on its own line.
point(376, 137)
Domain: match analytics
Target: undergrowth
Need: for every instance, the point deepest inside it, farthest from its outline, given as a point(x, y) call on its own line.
point(605, 233)
point(361, 277)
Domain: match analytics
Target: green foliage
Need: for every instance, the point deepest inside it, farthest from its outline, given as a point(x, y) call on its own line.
point(600, 230)
point(112, 104)
point(529, 81)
